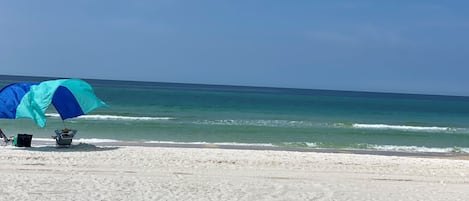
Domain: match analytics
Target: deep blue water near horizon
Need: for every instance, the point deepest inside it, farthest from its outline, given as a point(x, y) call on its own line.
point(192, 113)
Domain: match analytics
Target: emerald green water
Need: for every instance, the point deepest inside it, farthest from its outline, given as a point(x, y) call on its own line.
point(143, 111)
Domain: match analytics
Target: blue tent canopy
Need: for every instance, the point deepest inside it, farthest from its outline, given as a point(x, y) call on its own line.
point(10, 98)
point(70, 97)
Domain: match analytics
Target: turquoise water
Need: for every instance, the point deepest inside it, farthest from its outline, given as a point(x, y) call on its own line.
point(166, 112)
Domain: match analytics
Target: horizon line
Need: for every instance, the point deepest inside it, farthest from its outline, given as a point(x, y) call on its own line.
point(41, 78)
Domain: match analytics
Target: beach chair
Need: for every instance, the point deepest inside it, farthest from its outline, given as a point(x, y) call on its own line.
point(5, 138)
point(64, 137)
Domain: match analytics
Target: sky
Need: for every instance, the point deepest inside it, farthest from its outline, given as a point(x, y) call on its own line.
point(411, 46)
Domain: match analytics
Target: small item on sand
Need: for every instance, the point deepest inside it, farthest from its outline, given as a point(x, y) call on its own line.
point(22, 140)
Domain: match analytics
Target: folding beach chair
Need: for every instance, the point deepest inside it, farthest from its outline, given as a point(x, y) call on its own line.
point(5, 138)
point(64, 137)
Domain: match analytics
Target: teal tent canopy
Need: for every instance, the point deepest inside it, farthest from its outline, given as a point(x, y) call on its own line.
point(70, 97)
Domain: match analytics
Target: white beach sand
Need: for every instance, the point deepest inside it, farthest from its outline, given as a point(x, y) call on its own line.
point(87, 172)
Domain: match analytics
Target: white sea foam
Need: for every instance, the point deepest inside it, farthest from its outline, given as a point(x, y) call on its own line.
point(43, 139)
point(245, 144)
point(401, 127)
point(300, 144)
point(418, 149)
point(79, 140)
point(214, 143)
point(258, 122)
point(94, 140)
point(114, 117)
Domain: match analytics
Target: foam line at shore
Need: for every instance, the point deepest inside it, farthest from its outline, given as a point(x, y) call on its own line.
point(80, 140)
point(419, 149)
point(216, 143)
point(390, 148)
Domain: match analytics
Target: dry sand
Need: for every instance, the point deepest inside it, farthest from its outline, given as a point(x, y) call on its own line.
point(88, 172)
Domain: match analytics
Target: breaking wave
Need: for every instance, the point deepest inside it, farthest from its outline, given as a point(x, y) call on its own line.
point(114, 117)
point(311, 124)
point(264, 123)
point(364, 146)
point(418, 149)
point(213, 143)
point(401, 127)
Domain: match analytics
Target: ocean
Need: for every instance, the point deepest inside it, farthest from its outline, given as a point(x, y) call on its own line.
point(257, 116)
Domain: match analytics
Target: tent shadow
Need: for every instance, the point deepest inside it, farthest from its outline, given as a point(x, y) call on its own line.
point(82, 147)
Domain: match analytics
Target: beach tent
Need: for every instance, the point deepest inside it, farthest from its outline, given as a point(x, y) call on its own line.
point(70, 97)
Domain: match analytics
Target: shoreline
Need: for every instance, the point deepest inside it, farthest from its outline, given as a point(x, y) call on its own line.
point(447, 155)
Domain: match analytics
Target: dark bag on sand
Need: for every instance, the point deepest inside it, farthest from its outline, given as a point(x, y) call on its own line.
point(22, 140)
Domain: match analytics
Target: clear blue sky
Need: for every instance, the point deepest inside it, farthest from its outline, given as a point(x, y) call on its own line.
point(410, 46)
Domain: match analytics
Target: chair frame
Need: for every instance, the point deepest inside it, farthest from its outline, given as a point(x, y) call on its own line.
point(64, 138)
point(5, 138)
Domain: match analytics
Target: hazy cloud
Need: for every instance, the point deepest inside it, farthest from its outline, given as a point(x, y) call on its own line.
point(309, 44)
point(358, 35)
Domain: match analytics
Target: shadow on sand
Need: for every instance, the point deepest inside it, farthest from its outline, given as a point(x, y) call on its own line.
point(82, 147)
